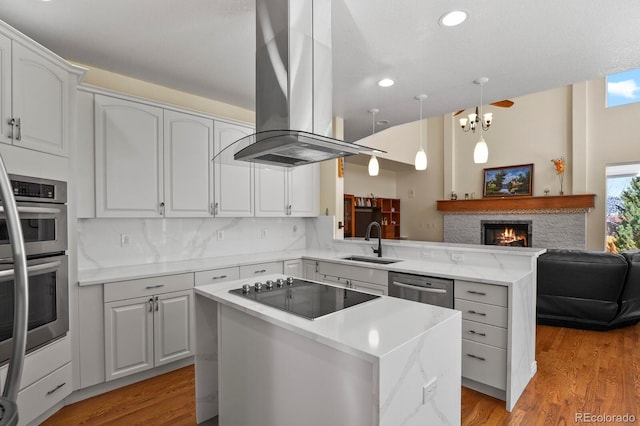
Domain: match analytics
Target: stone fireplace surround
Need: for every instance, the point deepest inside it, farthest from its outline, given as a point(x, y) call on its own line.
point(556, 221)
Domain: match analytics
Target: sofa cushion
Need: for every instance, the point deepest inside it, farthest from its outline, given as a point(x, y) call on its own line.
point(580, 287)
point(630, 298)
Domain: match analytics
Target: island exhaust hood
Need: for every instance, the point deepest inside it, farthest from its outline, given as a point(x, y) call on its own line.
point(294, 117)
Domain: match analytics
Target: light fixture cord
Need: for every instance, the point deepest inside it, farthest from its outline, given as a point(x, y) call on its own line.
point(373, 122)
point(480, 116)
point(420, 123)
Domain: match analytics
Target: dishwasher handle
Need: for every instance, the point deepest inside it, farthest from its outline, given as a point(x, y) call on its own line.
point(420, 288)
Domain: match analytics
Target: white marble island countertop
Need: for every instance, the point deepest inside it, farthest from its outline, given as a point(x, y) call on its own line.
point(371, 363)
point(370, 329)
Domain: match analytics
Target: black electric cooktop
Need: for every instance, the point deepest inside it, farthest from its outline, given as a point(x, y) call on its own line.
point(307, 299)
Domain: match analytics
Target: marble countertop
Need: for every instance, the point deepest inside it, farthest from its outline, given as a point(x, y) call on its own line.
point(478, 273)
point(369, 330)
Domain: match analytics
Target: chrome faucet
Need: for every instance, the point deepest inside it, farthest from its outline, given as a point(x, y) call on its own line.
point(368, 234)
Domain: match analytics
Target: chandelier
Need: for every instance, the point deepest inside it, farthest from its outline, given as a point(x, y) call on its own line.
point(473, 121)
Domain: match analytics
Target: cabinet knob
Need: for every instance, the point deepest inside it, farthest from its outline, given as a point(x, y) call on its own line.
point(16, 132)
point(162, 209)
point(151, 304)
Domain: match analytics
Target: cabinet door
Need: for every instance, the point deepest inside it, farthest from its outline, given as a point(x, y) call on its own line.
point(129, 173)
point(233, 179)
point(173, 327)
point(188, 171)
point(40, 101)
point(310, 269)
point(293, 268)
point(271, 191)
point(303, 190)
point(5, 89)
point(128, 328)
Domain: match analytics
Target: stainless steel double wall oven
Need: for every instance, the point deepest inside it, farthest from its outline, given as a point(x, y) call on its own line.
point(43, 215)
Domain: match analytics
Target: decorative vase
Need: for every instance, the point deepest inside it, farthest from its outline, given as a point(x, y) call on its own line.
point(561, 176)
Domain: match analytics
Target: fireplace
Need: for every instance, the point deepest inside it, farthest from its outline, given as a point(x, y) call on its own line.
point(513, 233)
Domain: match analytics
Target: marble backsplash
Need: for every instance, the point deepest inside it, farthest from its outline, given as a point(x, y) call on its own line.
point(119, 242)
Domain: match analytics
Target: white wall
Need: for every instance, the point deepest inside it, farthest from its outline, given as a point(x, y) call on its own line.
point(358, 182)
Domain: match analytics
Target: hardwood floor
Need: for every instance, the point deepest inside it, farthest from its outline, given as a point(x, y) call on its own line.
point(580, 374)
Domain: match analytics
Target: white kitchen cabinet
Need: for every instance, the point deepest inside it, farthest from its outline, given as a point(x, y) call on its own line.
point(356, 277)
point(35, 95)
point(310, 269)
point(129, 158)
point(188, 173)
point(233, 180)
point(218, 275)
point(151, 330)
point(293, 268)
point(259, 269)
point(282, 191)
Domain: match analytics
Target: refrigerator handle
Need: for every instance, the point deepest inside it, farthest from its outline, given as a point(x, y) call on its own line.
point(21, 294)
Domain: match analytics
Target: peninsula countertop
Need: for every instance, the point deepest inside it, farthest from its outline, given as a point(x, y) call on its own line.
point(496, 272)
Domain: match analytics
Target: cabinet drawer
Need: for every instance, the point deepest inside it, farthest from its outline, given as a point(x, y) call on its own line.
point(147, 286)
point(36, 399)
point(484, 333)
point(248, 271)
point(481, 312)
point(484, 364)
point(483, 293)
point(213, 276)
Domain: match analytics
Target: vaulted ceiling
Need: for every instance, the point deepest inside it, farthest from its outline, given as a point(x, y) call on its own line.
point(207, 47)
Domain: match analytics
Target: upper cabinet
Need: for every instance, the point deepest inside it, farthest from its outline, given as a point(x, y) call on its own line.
point(284, 191)
point(188, 175)
point(152, 161)
point(233, 179)
point(35, 97)
point(129, 158)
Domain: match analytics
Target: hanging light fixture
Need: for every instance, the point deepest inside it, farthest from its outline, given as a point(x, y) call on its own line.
point(472, 122)
point(374, 167)
point(481, 150)
point(421, 155)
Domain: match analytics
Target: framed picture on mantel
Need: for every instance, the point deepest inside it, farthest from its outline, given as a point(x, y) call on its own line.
point(509, 181)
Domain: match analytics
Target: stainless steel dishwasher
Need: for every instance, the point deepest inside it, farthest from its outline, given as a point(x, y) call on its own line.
point(420, 288)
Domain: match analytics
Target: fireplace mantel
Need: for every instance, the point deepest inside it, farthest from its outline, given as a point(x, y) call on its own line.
point(546, 204)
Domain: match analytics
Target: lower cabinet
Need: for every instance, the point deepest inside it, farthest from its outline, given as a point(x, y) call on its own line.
point(42, 395)
point(484, 332)
point(151, 330)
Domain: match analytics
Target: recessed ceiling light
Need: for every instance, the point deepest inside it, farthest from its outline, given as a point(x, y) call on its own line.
point(382, 122)
point(386, 82)
point(453, 18)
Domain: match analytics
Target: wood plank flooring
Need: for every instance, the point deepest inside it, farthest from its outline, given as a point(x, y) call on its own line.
point(580, 373)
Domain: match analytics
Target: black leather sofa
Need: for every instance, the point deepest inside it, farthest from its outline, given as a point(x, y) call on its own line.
point(589, 290)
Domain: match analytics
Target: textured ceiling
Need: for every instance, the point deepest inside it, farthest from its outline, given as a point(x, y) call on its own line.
point(206, 47)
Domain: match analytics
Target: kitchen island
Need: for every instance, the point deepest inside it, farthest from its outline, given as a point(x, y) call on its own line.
point(386, 361)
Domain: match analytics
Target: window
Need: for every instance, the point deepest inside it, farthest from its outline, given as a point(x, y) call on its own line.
point(622, 226)
point(623, 88)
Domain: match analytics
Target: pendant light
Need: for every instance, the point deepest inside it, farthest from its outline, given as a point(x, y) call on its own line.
point(481, 150)
point(374, 167)
point(421, 155)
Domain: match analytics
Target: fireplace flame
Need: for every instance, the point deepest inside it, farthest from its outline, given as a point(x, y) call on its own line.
point(509, 236)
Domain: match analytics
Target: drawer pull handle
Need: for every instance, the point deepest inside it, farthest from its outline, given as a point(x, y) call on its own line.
point(479, 358)
point(219, 277)
point(151, 304)
point(479, 293)
point(261, 271)
point(476, 333)
point(156, 303)
point(149, 287)
point(56, 388)
point(482, 314)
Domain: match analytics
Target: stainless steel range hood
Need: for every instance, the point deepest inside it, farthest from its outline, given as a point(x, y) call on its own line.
point(294, 117)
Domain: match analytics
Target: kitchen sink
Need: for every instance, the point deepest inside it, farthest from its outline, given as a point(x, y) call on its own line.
point(371, 259)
